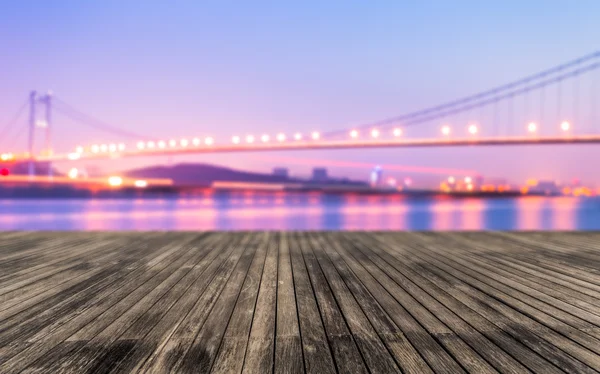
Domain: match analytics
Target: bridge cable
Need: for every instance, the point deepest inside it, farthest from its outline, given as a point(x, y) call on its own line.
point(480, 95)
point(508, 95)
point(6, 129)
point(85, 119)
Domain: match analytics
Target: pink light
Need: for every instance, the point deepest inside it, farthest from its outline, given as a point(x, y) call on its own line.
point(354, 134)
point(235, 140)
point(315, 135)
point(397, 132)
point(298, 136)
point(281, 137)
point(161, 144)
point(375, 133)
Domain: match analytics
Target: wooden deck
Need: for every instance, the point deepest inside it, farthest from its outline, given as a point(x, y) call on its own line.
point(299, 302)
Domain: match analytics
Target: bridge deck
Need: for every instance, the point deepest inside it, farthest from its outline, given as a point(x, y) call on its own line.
point(299, 302)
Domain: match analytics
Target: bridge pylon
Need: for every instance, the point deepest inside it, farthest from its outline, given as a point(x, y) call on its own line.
point(35, 123)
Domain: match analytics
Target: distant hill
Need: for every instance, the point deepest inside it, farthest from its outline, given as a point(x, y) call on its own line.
point(205, 174)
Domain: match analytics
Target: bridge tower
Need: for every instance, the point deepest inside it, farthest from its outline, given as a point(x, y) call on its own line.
point(45, 124)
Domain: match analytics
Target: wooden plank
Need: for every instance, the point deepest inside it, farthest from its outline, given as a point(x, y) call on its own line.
point(82, 311)
point(437, 319)
point(318, 355)
point(570, 319)
point(261, 343)
point(537, 337)
point(300, 302)
point(324, 276)
point(172, 352)
point(441, 291)
point(230, 357)
point(288, 342)
point(127, 322)
point(203, 351)
point(346, 354)
point(406, 356)
point(175, 314)
point(429, 347)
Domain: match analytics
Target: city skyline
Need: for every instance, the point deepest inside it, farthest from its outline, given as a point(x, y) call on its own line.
point(264, 72)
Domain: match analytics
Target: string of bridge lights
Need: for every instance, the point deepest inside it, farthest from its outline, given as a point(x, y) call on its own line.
point(446, 130)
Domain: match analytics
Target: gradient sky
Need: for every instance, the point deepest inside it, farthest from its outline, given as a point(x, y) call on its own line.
point(187, 68)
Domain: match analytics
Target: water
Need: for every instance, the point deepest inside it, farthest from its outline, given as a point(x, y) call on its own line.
point(313, 211)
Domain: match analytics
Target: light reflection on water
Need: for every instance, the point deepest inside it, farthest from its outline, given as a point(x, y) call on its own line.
point(312, 211)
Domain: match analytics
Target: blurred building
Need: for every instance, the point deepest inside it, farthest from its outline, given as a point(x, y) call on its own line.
point(281, 172)
point(319, 175)
point(376, 176)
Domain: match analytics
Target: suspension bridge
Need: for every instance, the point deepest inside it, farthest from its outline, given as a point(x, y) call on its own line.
point(522, 112)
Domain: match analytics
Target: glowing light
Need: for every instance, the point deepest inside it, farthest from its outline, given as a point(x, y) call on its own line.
point(375, 133)
point(397, 132)
point(565, 126)
point(298, 136)
point(473, 129)
point(264, 138)
point(184, 142)
point(235, 140)
point(446, 130)
point(172, 143)
point(196, 141)
point(150, 144)
point(73, 156)
point(121, 146)
point(4, 157)
point(103, 148)
point(115, 181)
point(250, 139)
point(112, 147)
point(79, 149)
point(208, 140)
point(470, 187)
point(354, 134)
point(407, 181)
point(73, 173)
point(141, 145)
point(162, 144)
point(451, 180)
point(140, 183)
point(4, 172)
point(468, 180)
point(315, 135)
point(95, 148)
point(532, 127)
point(281, 137)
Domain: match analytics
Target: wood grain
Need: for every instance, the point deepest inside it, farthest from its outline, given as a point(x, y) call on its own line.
point(299, 302)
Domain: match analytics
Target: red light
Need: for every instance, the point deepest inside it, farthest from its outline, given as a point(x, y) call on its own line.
point(4, 172)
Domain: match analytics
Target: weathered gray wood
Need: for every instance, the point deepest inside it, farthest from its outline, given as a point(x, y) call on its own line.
point(288, 343)
point(318, 355)
point(282, 302)
point(260, 350)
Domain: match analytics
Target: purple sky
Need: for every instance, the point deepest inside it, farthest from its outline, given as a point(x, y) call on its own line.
point(194, 68)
